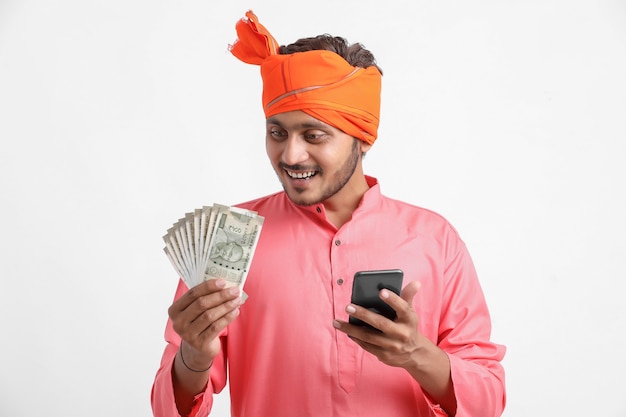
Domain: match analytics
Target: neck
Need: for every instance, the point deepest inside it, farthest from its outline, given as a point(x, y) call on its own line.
point(339, 207)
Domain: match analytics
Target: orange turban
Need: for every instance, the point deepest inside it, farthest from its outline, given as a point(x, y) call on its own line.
point(320, 83)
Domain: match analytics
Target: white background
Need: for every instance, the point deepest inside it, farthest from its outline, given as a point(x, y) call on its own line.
point(118, 116)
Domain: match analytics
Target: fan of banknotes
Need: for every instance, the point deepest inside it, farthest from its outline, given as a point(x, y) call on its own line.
point(214, 242)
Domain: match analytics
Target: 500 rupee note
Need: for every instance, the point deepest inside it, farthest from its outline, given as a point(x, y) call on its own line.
point(233, 242)
point(214, 242)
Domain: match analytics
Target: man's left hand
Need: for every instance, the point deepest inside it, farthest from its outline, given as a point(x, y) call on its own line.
point(398, 341)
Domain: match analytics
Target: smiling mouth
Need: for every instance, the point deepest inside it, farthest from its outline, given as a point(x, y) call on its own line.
point(305, 175)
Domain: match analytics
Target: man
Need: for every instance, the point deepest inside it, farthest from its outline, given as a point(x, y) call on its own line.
point(290, 350)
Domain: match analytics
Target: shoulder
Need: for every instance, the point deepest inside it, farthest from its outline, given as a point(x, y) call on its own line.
point(263, 203)
point(418, 219)
point(404, 208)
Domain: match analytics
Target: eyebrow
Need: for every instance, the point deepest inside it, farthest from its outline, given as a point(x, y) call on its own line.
point(304, 125)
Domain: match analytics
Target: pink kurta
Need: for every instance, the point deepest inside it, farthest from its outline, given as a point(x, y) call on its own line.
point(284, 356)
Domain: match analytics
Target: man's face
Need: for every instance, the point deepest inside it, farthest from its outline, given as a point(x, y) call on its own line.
point(313, 161)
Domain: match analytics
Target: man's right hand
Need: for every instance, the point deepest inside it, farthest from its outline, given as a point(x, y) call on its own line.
point(200, 315)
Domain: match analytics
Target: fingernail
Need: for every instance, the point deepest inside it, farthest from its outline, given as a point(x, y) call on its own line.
point(384, 294)
point(350, 309)
point(220, 283)
point(336, 324)
point(234, 290)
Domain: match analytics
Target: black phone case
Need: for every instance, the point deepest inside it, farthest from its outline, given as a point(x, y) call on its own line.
point(365, 289)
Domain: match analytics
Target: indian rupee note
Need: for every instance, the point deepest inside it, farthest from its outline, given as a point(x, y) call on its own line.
point(233, 242)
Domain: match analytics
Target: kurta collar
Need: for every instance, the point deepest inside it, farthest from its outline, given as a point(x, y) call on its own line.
point(370, 200)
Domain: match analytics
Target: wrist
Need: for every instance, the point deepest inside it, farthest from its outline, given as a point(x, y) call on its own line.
point(431, 368)
point(427, 360)
point(191, 364)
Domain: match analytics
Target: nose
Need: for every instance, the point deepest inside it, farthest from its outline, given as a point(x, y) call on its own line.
point(295, 151)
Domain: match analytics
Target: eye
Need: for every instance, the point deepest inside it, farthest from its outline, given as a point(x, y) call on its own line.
point(314, 135)
point(276, 133)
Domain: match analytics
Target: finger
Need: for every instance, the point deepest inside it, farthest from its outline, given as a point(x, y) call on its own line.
point(205, 340)
point(207, 287)
point(373, 348)
point(373, 319)
point(203, 311)
point(401, 304)
point(409, 292)
point(196, 327)
point(210, 330)
point(213, 300)
point(358, 334)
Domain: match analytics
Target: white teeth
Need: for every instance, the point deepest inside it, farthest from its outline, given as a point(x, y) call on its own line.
point(301, 175)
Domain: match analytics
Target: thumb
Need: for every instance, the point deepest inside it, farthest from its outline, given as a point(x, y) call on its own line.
point(408, 292)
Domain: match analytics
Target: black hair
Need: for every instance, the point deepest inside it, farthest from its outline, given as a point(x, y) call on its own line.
point(355, 53)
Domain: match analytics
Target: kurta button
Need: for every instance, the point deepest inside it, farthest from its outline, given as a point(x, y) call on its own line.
point(319, 210)
point(337, 242)
point(340, 281)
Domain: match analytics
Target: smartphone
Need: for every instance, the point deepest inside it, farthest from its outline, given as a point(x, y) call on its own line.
point(365, 289)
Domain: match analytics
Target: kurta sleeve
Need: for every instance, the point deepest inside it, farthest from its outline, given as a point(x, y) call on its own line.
point(162, 396)
point(464, 334)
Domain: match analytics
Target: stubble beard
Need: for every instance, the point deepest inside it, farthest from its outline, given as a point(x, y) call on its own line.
point(342, 177)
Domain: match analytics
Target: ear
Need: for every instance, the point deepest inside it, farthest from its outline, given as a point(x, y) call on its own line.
point(364, 146)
